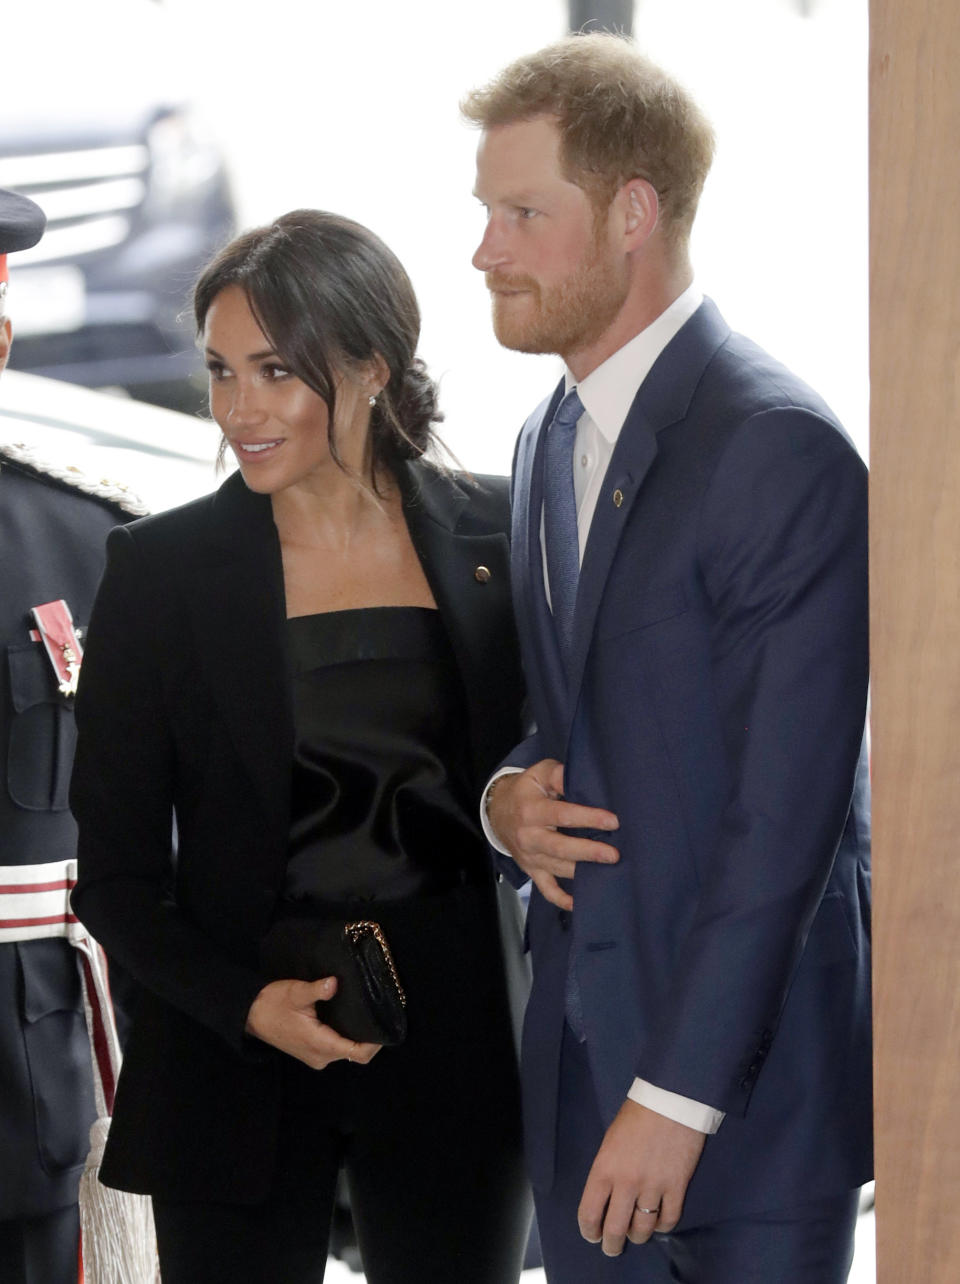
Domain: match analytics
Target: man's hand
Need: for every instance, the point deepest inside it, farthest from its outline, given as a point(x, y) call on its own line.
point(646, 1162)
point(283, 1015)
point(526, 809)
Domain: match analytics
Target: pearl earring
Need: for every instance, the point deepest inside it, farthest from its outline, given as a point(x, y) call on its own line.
point(373, 401)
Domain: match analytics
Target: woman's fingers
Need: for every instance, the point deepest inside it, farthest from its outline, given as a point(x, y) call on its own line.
point(284, 1015)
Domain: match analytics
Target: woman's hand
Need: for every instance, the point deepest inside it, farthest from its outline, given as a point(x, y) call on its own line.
point(284, 1016)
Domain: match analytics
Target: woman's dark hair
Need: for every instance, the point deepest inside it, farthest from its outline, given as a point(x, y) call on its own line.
point(328, 294)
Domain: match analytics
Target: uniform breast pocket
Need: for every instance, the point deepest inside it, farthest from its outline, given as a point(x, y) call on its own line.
point(43, 733)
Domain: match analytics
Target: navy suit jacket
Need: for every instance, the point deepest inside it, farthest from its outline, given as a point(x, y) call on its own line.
point(716, 703)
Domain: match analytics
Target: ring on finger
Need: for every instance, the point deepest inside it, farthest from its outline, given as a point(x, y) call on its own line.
point(649, 1212)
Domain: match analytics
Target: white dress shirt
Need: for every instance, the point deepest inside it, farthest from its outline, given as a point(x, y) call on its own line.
point(607, 394)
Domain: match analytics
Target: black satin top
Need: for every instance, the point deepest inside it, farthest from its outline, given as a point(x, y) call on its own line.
point(380, 805)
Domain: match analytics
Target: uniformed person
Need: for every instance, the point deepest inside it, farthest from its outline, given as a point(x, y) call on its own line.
point(53, 525)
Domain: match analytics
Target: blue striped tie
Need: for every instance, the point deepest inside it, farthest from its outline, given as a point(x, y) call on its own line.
point(560, 517)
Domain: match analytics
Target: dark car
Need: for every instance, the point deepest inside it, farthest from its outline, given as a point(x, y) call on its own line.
point(100, 132)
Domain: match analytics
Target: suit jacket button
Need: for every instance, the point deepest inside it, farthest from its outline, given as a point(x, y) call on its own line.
point(482, 574)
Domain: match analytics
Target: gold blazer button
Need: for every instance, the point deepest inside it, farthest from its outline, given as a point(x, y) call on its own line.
point(482, 574)
point(617, 498)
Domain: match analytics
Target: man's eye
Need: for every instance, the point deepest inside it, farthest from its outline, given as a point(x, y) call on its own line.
point(526, 212)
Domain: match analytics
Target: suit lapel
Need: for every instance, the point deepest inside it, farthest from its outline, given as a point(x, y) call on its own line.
point(663, 399)
point(544, 666)
point(632, 459)
point(528, 517)
point(239, 615)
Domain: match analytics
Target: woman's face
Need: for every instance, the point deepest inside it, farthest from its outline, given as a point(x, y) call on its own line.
point(274, 424)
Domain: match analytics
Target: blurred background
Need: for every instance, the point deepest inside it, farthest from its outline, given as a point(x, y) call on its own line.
point(149, 129)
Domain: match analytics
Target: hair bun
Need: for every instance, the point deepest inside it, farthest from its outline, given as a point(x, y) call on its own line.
point(415, 403)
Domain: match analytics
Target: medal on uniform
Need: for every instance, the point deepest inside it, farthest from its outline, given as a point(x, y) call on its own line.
point(55, 630)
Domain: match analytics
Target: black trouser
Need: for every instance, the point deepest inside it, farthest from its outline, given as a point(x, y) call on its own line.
point(40, 1250)
point(428, 1135)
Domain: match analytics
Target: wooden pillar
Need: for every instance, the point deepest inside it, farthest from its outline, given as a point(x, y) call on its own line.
point(915, 619)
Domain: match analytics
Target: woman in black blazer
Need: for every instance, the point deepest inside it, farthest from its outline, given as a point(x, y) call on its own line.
point(293, 691)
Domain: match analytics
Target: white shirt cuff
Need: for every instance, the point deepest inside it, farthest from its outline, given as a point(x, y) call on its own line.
point(694, 1114)
point(485, 819)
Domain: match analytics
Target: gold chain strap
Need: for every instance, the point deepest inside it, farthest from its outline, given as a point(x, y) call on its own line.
point(356, 930)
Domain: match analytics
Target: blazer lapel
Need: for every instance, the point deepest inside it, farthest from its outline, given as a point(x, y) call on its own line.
point(544, 665)
point(632, 458)
point(466, 594)
point(239, 615)
point(527, 504)
point(663, 399)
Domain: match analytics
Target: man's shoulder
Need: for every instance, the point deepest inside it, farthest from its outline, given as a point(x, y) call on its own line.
point(59, 484)
point(755, 381)
point(710, 369)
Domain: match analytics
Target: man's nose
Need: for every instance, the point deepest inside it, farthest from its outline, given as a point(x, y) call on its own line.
point(492, 252)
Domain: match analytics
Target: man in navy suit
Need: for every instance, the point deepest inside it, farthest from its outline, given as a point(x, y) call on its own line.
point(690, 577)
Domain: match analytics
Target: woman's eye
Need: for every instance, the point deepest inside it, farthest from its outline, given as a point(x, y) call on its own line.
point(271, 372)
point(216, 371)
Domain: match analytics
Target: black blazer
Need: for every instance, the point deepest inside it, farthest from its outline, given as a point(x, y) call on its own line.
point(185, 708)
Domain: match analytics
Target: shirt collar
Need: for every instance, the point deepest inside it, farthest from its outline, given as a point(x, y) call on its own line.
point(607, 393)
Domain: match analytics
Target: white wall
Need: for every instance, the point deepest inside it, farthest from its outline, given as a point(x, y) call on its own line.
point(317, 110)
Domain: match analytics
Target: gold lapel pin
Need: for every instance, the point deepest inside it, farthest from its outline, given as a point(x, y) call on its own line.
point(482, 574)
point(617, 498)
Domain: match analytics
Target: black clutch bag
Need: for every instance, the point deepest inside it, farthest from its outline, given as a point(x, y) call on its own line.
point(369, 1005)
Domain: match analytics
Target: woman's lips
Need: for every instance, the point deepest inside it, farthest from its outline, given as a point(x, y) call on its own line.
point(256, 450)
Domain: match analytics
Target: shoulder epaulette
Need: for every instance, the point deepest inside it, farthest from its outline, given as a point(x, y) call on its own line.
point(111, 493)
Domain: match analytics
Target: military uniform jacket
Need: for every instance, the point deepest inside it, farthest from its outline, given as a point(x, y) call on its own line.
point(52, 540)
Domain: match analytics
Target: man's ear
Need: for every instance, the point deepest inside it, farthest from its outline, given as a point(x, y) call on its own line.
point(639, 208)
point(6, 338)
